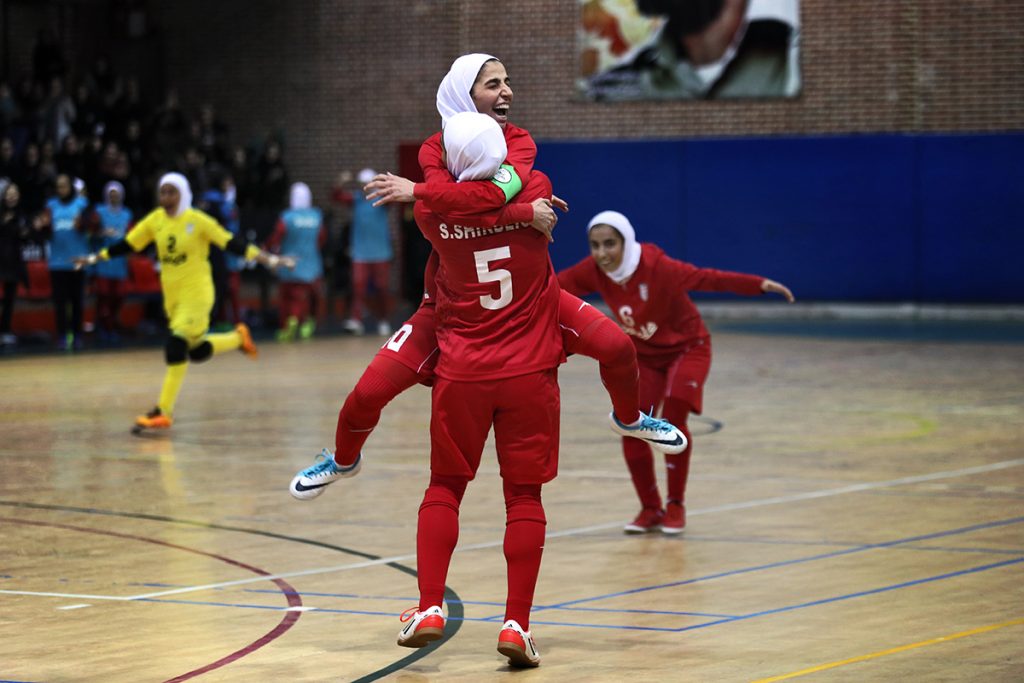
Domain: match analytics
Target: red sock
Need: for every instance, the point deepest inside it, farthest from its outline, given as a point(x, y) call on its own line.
point(381, 381)
point(678, 465)
point(524, 544)
point(612, 349)
point(437, 533)
point(640, 462)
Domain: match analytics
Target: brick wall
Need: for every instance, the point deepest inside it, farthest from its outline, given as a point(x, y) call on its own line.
point(347, 80)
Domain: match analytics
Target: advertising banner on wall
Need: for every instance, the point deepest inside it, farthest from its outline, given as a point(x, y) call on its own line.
point(688, 49)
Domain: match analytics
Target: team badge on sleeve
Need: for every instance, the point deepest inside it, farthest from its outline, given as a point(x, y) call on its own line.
point(508, 180)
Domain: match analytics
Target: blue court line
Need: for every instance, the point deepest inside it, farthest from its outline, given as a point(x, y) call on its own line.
point(833, 544)
point(414, 599)
point(205, 603)
point(785, 563)
point(776, 610)
point(858, 594)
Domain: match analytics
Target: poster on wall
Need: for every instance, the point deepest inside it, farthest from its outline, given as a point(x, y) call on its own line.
point(688, 49)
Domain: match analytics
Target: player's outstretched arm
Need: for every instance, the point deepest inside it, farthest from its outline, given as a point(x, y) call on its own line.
point(118, 248)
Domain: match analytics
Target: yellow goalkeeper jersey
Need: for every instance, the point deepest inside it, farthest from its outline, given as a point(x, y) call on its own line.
point(182, 245)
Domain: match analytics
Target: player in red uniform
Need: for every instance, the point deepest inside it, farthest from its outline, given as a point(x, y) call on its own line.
point(475, 83)
point(497, 315)
point(646, 290)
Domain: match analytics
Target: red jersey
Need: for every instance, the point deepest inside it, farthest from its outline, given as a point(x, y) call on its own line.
point(478, 203)
point(652, 307)
point(497, 295)
point(481, 200)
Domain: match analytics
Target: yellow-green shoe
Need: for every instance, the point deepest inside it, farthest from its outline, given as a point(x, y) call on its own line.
point(287, 333)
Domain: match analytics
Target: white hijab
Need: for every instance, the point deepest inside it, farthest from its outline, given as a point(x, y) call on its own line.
point(301, 196)
point(453, 93)
point(110, 187)
point(180, 182)
point(630, 248)
point(475, 146)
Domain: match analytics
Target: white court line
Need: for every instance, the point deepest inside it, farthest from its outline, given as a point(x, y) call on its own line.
point(728, 507)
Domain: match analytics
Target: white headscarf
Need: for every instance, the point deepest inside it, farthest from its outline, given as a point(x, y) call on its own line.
point(475, 146)
point(180, 182)
point(630, 247)
point(453, 93)
point(301, 196)
point(110, 187)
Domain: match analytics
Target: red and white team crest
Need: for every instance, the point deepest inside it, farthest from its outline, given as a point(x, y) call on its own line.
point(643, 291)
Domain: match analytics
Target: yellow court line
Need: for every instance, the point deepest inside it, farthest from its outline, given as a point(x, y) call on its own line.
point(891, 651)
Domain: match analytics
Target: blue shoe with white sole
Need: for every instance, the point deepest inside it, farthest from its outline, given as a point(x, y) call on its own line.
point(660, 434)
point(311, 482)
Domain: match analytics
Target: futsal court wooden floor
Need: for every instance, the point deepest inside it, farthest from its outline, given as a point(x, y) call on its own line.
point(856, 513)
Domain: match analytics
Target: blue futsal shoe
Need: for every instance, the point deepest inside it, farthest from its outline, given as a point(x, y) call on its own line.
point(311, 482)
point(661, 435)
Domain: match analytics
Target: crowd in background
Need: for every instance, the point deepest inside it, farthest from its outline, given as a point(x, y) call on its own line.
point(96, 127)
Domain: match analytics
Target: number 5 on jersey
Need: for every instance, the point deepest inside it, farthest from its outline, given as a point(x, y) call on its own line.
point(484, 274)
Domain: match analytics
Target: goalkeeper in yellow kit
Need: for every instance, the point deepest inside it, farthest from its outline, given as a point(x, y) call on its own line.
point(183, 236)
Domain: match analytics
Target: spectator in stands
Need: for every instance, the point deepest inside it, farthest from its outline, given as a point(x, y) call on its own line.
point(88, 112)
point(15, 230)
point(114, 220)
point(300, 235)
point(58, 113)
point(371, 252)
point(48, 160)
point(69, 159)
point(33, 179)
point(66, 224)
point(244, 176)
point(9, 109)
point(272, 177)
point(212, 136)
point(8, 164)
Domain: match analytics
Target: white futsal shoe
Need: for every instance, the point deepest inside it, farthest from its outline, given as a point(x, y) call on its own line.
point(660, 434)
point(518, 645)
point(422, 627)
point(311, 482)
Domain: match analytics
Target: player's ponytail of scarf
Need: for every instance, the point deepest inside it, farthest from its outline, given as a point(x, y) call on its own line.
point(179, 181)
point(474, 145)
point(300, 197)
point(630, 248)
point(453, 94)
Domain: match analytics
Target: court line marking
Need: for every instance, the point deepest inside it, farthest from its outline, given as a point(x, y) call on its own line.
point(799, 560)
point(728, 507)
point(293, 599)
point(892, 651)
point(455, 609)
point(858, 594)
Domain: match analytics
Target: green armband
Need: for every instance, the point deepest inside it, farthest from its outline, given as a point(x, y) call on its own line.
point(508, 180)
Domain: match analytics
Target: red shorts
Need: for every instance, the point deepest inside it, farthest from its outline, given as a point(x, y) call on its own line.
point(525, 413)
point(574, 316)
point(414, 345)
point(682, 379)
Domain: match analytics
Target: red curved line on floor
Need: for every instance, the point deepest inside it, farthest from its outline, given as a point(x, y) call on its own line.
point(293, 597)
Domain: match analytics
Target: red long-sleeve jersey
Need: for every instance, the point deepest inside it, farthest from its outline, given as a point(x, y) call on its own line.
point(497, 295)
point(652, 306)
point(477, 203)
point(481, 200)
